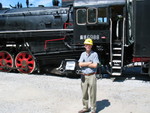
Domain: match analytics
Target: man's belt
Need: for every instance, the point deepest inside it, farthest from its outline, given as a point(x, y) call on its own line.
point(89, 74)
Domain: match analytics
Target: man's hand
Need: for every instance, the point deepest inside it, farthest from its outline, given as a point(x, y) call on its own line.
point(84, 64)
point(88, 64)
point(93, 65)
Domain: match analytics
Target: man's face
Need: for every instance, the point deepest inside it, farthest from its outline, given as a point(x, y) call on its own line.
point(88, 47)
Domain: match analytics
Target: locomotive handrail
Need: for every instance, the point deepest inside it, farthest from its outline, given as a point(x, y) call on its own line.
point(117, 29)
point(25, 31)
point(111, 41)
point(123, 40)
point(46, 41)
point(36, 12)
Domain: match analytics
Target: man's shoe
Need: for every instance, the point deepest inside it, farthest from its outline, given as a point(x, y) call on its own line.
point(83, 111)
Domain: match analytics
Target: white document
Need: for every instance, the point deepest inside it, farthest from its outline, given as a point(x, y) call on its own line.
point(70, 65)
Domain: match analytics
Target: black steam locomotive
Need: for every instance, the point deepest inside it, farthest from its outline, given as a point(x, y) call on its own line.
point(37, 37)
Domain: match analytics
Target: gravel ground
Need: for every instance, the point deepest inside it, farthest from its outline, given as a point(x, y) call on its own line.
point(21, 93)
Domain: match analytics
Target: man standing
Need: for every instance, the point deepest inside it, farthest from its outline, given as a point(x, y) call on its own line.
point(88, 62)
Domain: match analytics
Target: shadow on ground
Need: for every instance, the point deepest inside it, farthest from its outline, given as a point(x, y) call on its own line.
point(100, 105)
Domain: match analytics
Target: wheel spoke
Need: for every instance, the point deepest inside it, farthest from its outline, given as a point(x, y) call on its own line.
point(9, 63)
point(18, 65)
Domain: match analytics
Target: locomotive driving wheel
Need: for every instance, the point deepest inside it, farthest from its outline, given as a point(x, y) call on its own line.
point(6, 61)
point(24, 62)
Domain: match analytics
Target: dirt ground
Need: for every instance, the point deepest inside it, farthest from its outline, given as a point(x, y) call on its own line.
point(21, 93)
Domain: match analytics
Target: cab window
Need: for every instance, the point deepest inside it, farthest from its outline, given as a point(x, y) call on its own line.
point(81, 16)
point(102, 15)
point(92, 15)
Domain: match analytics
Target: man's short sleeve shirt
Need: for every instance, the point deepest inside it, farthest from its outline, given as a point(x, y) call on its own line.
point(92, 57)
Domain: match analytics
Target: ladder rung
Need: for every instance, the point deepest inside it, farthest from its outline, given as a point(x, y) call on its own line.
point(116, 54)
point(118, 61)
point(117, 74)
point(116, 67)
point(116, 48)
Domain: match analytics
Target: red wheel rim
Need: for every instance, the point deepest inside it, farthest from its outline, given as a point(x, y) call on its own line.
point(25, 62)
point(6, 61)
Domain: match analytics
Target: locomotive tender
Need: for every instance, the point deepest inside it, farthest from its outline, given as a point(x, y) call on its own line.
point(37, 36)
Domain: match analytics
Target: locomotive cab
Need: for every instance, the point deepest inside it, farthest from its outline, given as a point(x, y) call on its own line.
point(104, 22)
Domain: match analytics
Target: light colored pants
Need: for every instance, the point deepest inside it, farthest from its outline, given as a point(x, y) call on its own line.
point(89, 89)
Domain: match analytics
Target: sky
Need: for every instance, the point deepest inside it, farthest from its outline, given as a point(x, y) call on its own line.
point(7, 3)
